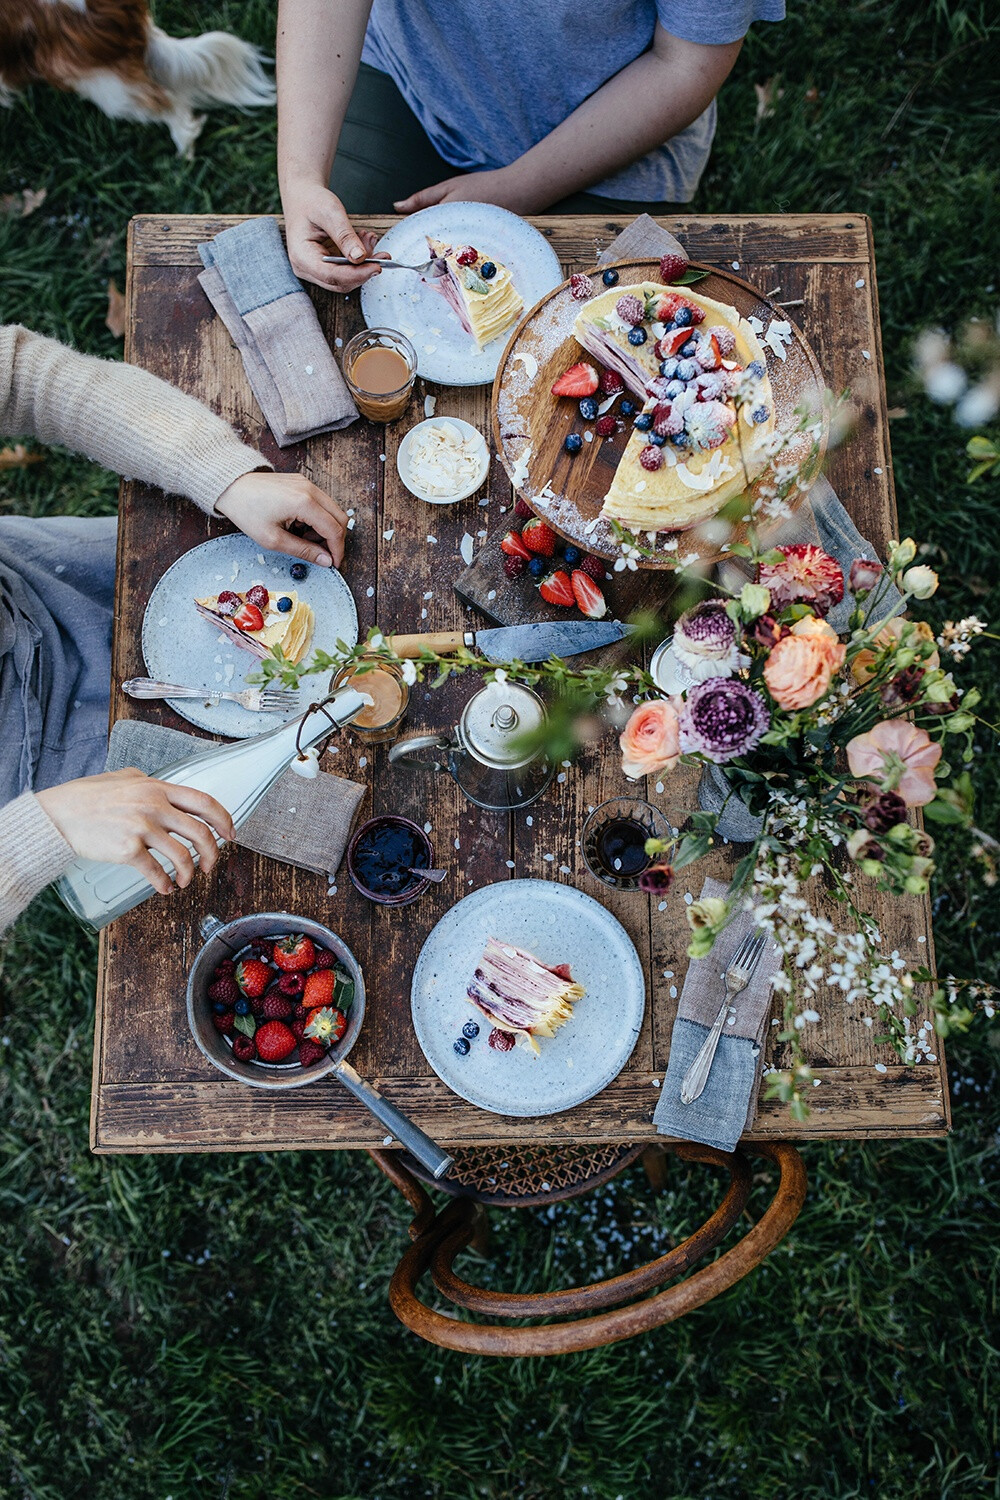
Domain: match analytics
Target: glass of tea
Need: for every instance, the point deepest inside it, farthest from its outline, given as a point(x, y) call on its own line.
point(614, 841)
point(381, 681)
point(380, 366)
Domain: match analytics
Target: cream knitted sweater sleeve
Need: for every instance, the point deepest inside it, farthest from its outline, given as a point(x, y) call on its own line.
point(118, 415)
point(32, 853)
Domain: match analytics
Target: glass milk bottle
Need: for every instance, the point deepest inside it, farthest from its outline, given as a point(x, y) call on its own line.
point(237, 775)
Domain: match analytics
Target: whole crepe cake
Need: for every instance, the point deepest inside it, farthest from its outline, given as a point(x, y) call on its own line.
point(708, 410)
point(480, 291)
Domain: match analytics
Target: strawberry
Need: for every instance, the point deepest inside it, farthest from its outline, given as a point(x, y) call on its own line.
point(257, 595)
point(588, 596)
point(274, 1041)
point(522, 509)
point(672, 266)
point(326, 1024)
point(277, 1007)
point(225, 1022)
point(605, 426)
point(580, 286)
point(579, 380)
point(244, 1048)
point(594, 568)
point(228, 602)
point(514, 546)
point(291, 984)
point(324, 958)
point(514, 566)
point(310, 1052)
point(252, 976)
point(226, 990)
point(248, 617)
point(467, 256)
point(611, 382)
point(539, 538)
point(709, 355)
point(294, 952)
point(555, 588)
point(319, 989)
point(672, 341)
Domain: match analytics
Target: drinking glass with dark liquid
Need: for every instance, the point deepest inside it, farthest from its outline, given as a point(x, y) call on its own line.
point(614, 840)
point(380, 366)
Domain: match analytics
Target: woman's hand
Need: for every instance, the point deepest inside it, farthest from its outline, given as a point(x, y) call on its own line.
point(119, 817)
point(287, 513)
point(316, 224)
point(500, 186)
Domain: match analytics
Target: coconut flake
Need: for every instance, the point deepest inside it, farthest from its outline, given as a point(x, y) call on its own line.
point(530, 364)
point(466, 549)
point(445, 460)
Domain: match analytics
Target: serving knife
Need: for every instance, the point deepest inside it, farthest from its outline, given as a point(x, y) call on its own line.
point(528, 643)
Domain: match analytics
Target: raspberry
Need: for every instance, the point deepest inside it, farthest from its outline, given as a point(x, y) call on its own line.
point(297, 1026)
point(522, 509)
point(605, 425)
point(244, 1049)
point(672, 266)
point(228, 602)
point(514, 566)
point(224, 969)
point(257, 1007)
point(300, 1012)
point(310, 1052)
point(225, 1022)
point(594, 568)
point(502, 1041)
point(467, 256)
point(262, 947)
point(581, 287)
point(324, 959)
point(291, 984)
point(724, 337)
point(226, 990)
point(651, 459)
point(611, 382)
point(666, 421)
point(277, 1007)
point(631, 309)
point(258, 595)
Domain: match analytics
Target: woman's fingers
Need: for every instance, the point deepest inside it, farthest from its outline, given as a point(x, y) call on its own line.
point(202, 806)
point(197, 833)
point(326, 518)
point(151, 870)
point(278, 539)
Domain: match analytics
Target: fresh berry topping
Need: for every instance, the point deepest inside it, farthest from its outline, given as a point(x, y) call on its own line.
point(291, 984)
point(277, 1007)
point(688, 349)
point(671, 342)
point(244, 1048)
point(536, 567)
point(580, 286)
point(605, 425)
point(522, 509)
point(571, 556)
point(611, 382)
point(668, 366)
point(627, 408)
point(326, 1024)
point(283, 605)
point(657, 439)
point(320, 989)
point(225, 990)
point(665, 307)
point(573, 442)
point(682, 317)
point(224, 969)
point(687, 369)
point(651, 459)
point(298, 571)
point(513, 546)
point(253, 977)
point(672, 266)
point(589, 599)
point(461, 1046)
point(594, 568)
point(644, 421)
point(539, 537)
point(667, 421)
point(248, 617)
point(759, 414)
point(257, 595)
point(697, 313)
point(294, 952)
point(637, 336)
point(588, 408)
point(228, 602)
point(724, 337)
point(514, 566)
point(630, 308)
point(756, 369)
point(310, 1052)
point(274, 1041)
point(225, 1022)
point(467, 256)
point(708, 355)
point(471, 1030)
point(679, 440)
point(501, 1041)
point(579, 380)
point(610, 277)
point(324, 958)
point(487, 270)
point(555, 588)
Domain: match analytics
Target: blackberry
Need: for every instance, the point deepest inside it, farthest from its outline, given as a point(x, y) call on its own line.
point(610, 277)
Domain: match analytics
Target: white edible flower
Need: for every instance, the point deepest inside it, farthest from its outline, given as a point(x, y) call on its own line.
point(409, 670)
point(920, 581)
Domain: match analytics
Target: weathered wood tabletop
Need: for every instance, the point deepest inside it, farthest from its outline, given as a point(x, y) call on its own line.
point(153, 1090)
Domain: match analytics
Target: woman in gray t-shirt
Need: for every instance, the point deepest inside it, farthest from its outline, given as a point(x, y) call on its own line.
point(530, 105)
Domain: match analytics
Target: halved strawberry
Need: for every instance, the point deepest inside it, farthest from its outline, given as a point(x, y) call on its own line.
point(709, 354)
point(539, 537)
point(514, 547)
point(555, 588)
point(579, 380)
point(589, 599)
point(672, 341)
point(248, 617)
point(664, 308)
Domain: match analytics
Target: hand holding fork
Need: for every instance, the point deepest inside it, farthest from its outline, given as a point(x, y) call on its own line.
point(739, 972)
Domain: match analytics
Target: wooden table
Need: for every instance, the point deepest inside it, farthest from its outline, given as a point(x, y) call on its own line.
point(153, 1090)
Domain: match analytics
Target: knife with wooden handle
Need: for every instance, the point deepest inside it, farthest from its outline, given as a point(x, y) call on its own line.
point(528, 643)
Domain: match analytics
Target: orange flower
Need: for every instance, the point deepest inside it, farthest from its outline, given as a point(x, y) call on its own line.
point(801, 665)
point(898, 757)
point(889, 635)
point(650, 743)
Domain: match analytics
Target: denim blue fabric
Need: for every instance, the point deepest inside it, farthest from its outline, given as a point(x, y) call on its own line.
point(718, 1117)
point(251, 259)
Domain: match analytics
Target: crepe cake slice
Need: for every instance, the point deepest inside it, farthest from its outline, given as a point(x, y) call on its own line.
point(485, 306)
point(291, 629)
point(519, 994)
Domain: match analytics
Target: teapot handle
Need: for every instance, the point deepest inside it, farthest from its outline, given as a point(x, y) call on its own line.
point(414, 748)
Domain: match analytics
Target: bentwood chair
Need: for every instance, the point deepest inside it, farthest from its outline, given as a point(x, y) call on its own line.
point(508, 1176)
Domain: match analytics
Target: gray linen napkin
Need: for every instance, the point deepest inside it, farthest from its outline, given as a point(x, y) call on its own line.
point(294, 376)
point(304, 823)
point(728, 1105)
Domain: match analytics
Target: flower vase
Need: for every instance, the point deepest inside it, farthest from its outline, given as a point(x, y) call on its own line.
point(736, 824)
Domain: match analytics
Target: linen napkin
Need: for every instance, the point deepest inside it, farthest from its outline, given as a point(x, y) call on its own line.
point(294, 376)
point(305, 823)
point(728, 1104)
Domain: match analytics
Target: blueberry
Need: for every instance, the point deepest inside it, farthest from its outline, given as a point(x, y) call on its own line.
point(461, 1046)
point(588, 408)
point(674, 389)
point(536, 567)
point(471, 1030)
point(687, 369)
point(487, 270)
point(689, 349)
point(241, 1007)
point(298, 571)
point(626, 408)
point(657, 440)
point(755, 368)
point(637, 335)
point(759, 414)
point(644, 421)
point(669, 327)
point(571, 556)
point(573, 442)
point(284, 604)
point(682, 317)
point(219, 1008)
point(668, 368)
point(610, 278)
point(679, 439)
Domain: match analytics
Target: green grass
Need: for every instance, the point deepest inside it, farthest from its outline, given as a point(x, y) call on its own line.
point(199, 1326)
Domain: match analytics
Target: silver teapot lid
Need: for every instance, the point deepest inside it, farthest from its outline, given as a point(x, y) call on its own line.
point(495, 722)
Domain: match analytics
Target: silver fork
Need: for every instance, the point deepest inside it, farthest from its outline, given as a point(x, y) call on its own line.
point(433, 268)
point(739, 972)
point(257, 700)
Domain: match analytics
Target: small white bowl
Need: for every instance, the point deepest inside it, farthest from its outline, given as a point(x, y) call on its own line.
point(403, 460)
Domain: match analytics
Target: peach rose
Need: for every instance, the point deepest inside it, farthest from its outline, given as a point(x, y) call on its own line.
point(898, 757)
point(799, 669)
point(889, 635)
point(650, 742)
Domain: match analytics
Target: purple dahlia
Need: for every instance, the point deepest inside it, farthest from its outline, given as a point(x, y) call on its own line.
point(705, 640)
point(722, 718)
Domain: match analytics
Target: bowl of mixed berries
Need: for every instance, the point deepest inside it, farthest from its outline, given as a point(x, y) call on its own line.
point(274, 1000)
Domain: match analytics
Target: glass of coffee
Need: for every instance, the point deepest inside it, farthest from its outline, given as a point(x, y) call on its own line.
point(382, 682)
point(614, 841)
point(380, 366)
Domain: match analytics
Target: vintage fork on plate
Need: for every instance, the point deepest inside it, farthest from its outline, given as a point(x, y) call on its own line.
point(256, 700)
point(431, 269)
point(739, 972)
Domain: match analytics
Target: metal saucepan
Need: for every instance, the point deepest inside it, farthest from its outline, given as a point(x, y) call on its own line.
point(224, 940)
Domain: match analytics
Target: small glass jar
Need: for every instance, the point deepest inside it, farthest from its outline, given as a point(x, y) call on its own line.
point(614, 837)
point(378, 722)
point(380, 367)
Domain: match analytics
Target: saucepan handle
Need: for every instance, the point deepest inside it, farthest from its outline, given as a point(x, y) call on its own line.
point(409, 1135)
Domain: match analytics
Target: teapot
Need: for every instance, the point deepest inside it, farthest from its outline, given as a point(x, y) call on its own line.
point(485, 751)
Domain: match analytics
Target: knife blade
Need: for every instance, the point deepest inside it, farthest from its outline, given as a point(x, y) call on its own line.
point(528, 643)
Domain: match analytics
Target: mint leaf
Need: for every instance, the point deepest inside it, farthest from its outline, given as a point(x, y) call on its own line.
point(246, 1024)
point(689, 277)
point(473, 282)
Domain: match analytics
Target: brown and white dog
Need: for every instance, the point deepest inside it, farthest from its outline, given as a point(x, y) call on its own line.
point(109, 52)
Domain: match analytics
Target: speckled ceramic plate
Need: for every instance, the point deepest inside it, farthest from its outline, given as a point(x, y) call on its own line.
point(179, 646)
point(560, 925)
point(399, 299)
